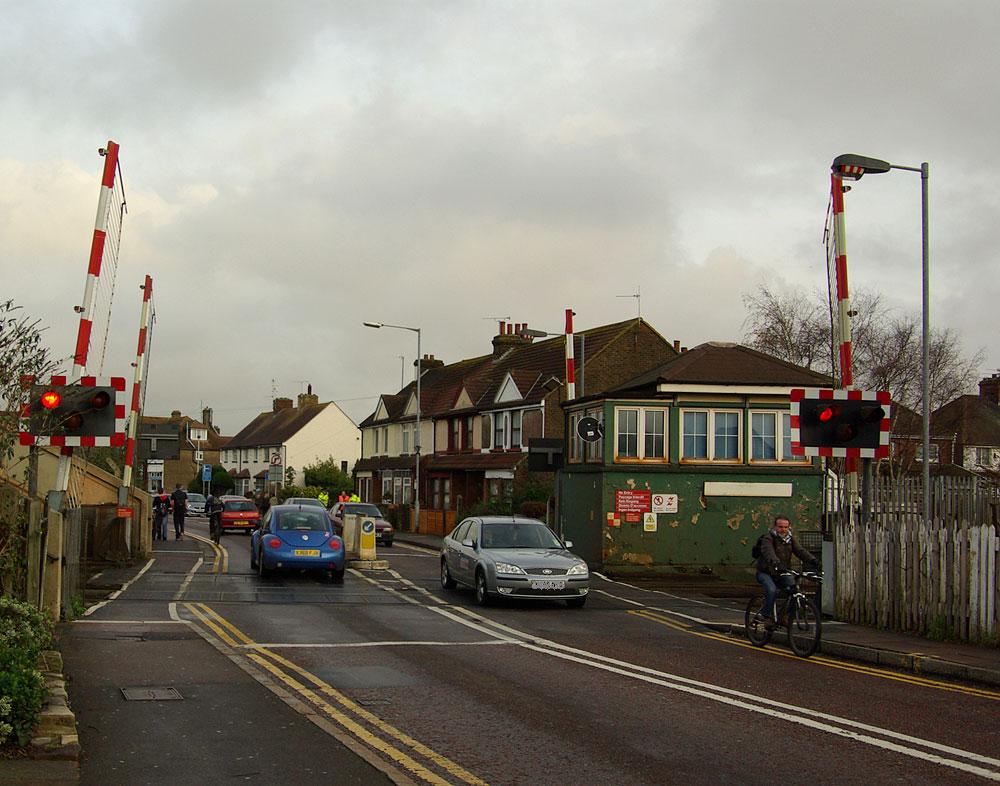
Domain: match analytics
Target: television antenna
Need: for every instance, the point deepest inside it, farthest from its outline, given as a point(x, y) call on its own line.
point(638, 300)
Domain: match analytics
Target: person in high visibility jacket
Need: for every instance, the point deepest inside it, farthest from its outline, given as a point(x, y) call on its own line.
point(324, 498)
point(354, 498)
point(343, 497)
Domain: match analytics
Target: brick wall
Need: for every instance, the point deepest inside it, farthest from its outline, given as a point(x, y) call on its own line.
point(637, 351)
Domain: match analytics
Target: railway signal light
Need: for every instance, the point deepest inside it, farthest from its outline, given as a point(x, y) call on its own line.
point(854, 423)
point(75, 414)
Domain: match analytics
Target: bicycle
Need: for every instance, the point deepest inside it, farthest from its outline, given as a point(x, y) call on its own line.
point(797, 612)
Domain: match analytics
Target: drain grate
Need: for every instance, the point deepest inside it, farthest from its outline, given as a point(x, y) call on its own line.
point(151, 694)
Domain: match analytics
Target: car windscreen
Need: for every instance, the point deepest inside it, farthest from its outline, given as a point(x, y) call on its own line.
point(196, 497)
point(363, 510)
point(304, 519)
point(518, 535)
point(304, 501)
point(238, 504)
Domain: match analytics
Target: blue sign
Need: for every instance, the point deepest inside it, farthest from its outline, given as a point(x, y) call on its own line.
point(206, 473)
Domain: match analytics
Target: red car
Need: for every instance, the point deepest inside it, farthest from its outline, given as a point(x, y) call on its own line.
point(240, 514)
point(384, 532)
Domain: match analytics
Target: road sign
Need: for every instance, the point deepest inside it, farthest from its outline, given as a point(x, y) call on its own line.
point(275, 459)
point(664, 503)
point(590, 429)
point(274, 473)
point(206, 473)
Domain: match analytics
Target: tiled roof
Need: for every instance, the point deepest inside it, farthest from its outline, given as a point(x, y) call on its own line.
point(973, 420)
point(274, 428)
point(215, 440)
point(723, 363)
point(476, 461)
point(384, 462)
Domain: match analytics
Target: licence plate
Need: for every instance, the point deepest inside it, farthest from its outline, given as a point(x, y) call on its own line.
point(548, 584)
point(306, 552)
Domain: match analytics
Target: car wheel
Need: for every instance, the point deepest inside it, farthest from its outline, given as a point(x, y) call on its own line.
point(253, 558)
point(482, 594)
point(388, 544)
point(446, 580)
point(263, 572)
point(576, 603)
point(335, 576)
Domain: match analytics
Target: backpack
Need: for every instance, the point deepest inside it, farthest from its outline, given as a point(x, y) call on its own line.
point(755, 552)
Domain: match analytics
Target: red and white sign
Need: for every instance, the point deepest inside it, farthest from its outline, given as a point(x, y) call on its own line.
point(631, 504)
point(664, 503)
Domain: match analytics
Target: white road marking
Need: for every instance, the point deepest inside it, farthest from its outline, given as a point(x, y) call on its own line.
point(658, 592)
point(349, 645)
point(133, 622)
point(175, 551)
point(423, 550)
point(172, 609)
point(187, 579)
point(114, 595)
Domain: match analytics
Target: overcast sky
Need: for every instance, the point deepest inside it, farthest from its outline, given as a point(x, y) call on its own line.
point(292, 169)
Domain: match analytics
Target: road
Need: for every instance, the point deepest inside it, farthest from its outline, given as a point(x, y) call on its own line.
point(422, 686)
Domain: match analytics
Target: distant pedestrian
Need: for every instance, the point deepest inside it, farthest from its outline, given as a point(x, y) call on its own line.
point(161, 511)
point(179, 501)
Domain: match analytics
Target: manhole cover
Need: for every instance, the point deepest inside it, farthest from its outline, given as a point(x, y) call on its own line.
point(151, 694)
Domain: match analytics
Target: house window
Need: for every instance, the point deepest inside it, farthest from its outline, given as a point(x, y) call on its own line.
point(407, 489)
point(385, 439)
point(640, 433)
point(376, 442)
point(406, 439)
point(499, 429)
point(575, 442)
point(455, 443)
point(387, 487)
point(470, 423)
point(515, 429)
point(397, 489)
point(934, 452)
point(594, 451)
point(771, 437)
point(723, 426)
point(984, 457)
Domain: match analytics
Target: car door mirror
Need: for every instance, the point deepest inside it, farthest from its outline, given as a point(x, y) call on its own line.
point(568, 544)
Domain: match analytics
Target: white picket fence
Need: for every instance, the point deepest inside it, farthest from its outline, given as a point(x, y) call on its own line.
point(899, 574)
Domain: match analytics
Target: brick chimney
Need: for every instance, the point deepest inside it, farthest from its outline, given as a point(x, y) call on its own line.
point(307, 399)
point(206, 416)
point(282, 403)
point(175, 415)
point(429, 361)
point(509, 337)
point(989, 388)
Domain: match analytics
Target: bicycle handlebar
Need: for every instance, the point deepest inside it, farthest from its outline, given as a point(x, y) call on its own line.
point(806, 574)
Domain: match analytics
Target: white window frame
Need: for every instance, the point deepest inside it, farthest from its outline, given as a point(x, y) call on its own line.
point(594, 451)
point(935, 452)
point(782, 434)
point(980, 452)
point(406, 440)
point(640, 433)
point(710, 436)
point(575, 441)
point(516, 428)
point(500, 419)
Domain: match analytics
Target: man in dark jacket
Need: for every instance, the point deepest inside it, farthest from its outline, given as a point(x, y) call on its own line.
point(179, 501)
point(161, 510)
point(777, 547)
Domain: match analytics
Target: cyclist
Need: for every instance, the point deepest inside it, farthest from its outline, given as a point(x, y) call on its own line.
point(213, 509)
point(777, 547)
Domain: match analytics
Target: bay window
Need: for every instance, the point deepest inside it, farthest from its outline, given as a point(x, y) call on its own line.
point(711, 435)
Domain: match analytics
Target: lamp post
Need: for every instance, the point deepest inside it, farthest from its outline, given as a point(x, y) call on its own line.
point(416, 441)
point(852, 167)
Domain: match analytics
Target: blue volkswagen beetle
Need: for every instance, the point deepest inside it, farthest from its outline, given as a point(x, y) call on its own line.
point(297, 537)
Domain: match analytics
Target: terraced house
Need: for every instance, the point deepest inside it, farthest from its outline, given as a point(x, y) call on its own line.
point(478, 414)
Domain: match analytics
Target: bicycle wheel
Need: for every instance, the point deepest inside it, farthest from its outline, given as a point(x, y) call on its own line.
point(756, 632)
point(804, 627)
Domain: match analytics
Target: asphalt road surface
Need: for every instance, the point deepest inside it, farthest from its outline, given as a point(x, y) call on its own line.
point(390, 678)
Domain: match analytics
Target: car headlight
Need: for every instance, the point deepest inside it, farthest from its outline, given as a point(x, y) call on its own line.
point(506, 567)
point(579, 569)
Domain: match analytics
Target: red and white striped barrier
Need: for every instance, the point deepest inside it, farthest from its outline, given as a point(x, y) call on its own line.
point(570, 360)
point(882, 397)
point(133, 423)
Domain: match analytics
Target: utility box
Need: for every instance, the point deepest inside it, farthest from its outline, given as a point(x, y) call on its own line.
point(359, 537)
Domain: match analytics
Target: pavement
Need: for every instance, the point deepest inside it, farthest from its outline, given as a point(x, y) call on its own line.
point(101, 663)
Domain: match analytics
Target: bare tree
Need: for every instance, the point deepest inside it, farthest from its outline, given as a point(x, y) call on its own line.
point(794, 326)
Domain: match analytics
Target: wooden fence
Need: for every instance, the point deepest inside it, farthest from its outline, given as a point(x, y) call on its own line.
point(941, 577)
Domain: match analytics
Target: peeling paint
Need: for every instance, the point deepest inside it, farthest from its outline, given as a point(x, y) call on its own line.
point(630, 483)
point(733, 522)
point(675, 524)
point(637, 559)
point(695, 517)
point(702, 501)
point(743, 541)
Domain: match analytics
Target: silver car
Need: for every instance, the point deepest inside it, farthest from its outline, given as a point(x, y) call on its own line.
point(509, 557)
point(195, 504)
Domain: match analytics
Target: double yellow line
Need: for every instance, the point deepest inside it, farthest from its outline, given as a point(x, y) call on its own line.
point(818, 660)
point(221, 564)
point(399, 747)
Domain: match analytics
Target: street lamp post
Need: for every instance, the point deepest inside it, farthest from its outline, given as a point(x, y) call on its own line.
point(416, 441)
point(852, 167)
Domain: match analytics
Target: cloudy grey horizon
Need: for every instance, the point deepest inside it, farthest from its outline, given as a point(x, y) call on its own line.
point(293, 170)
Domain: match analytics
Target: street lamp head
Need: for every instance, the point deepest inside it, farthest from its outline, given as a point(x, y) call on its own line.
point(851, 166)
point(532, 333)
point(372, 324)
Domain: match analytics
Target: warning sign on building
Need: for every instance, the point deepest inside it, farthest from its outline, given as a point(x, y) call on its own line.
point(631, 504)
point(664, 503)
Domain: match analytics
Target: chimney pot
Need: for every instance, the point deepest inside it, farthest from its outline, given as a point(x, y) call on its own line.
point(677, 345)
point(683, 350)
point(503, 327)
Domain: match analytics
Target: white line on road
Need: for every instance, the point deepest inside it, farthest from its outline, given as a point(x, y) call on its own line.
point(132, 622)
point(187, 579)
point(658, 592)
point(114, 595)
point(348, 645)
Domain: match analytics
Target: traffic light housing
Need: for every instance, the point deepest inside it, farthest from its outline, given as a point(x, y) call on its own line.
point(79, 414)
point(840, 423)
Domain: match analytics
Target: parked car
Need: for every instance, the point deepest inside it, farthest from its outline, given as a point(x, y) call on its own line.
point(384, 531)
point(239, 513)
point(195, 504)
point(297, 537)
point(303, 501)
point(511, 557)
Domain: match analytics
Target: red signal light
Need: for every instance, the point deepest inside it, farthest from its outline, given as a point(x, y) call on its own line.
point(828, 413)
point(51, 399)
point(100, 400)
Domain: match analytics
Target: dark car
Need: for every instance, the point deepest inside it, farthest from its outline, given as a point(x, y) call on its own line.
point(384, 531)
point(297, 537)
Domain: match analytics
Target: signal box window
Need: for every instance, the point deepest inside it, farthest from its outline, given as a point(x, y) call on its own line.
point(711, 435)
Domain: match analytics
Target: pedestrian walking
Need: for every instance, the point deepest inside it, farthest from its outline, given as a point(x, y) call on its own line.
point(161, 510)
point(179, 502)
